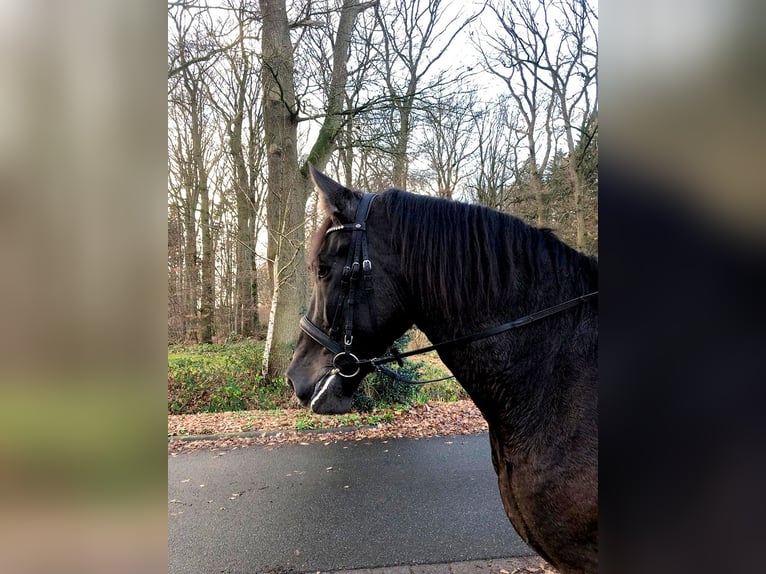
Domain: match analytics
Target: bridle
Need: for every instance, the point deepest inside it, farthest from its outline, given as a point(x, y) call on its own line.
point(357, 261)
point(356, 276)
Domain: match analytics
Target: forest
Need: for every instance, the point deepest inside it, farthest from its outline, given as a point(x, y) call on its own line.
point(493, 103)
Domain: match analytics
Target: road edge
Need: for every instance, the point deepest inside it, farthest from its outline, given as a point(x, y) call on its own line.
point(510, 565)
point(266, 434)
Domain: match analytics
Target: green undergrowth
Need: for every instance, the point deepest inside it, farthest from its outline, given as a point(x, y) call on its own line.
point(226, 377)
point(221, 377)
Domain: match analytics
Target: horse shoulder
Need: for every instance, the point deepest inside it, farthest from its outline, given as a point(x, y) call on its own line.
point(551, 503)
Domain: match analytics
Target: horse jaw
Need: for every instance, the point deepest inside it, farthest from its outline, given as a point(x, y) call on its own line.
point(328, 398)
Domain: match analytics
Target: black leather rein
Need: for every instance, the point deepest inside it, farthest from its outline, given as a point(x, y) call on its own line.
point(348, 365)
point(344, 359)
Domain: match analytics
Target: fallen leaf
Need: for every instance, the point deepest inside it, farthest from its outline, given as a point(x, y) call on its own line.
point(436, 419)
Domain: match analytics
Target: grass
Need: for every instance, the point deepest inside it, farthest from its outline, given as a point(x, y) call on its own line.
point(226, 377)
point(311, 421)
point(308, 422)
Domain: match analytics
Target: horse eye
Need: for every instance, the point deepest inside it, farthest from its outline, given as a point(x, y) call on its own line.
point(323, 271)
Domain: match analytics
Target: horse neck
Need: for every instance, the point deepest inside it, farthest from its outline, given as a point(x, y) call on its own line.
point(526, 275)
point(505, 374)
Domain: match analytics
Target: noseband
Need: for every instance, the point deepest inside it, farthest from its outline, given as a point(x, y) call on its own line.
point(347, 364)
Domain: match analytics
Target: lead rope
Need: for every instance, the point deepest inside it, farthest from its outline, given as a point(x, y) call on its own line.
point(397, 377)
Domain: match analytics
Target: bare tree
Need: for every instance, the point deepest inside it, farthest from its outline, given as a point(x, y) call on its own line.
point(183, 205)
point(573, 67)
point(415, 35)
point(495, 178)
point(195, 158)
point(177, 319)
point(236, 97)
point(449, 140)
point(543, 52)
point(290, 187)
point(510, 54)
point(286, 201)
point(357, 97)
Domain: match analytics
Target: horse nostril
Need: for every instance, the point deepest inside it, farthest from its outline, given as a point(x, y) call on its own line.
point(304, 395)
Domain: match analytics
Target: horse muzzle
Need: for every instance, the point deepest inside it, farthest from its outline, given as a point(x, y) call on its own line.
point(328, 397)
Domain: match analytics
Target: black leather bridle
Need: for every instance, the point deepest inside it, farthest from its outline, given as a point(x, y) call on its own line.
point(358, 271)
point(358, 268)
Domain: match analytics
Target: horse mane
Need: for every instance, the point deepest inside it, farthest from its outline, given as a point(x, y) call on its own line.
point(458, 255)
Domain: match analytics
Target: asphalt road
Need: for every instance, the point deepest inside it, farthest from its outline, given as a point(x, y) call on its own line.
point(345, 505)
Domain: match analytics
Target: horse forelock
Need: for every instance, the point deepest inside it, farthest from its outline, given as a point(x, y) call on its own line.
point(316, 242)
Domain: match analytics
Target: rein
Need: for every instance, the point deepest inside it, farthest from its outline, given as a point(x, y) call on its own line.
point(347, 364)
point(377, 363)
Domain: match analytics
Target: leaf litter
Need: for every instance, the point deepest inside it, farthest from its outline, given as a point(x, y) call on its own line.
point(273, 428)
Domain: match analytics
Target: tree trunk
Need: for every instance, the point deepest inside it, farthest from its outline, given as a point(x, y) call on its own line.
point(286, 199)
point(246, 305)
point(334, 122)
point(537, 189)
point(290, 188)
point(246, 300)
point(399, 174)
point(270, 329)
point(207, 300)
point(197, 179)
point(401, 163)
point(576, 179)
point(535, 181)
point(191, 268)
point(347, 152)
point(573, 174)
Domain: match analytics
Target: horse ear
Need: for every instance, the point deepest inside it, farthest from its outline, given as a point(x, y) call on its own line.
point(335, 199)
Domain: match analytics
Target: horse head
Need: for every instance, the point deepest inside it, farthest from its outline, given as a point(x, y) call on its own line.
point(357, 308)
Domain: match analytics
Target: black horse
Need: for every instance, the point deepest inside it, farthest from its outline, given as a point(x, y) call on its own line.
point(383, 262)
